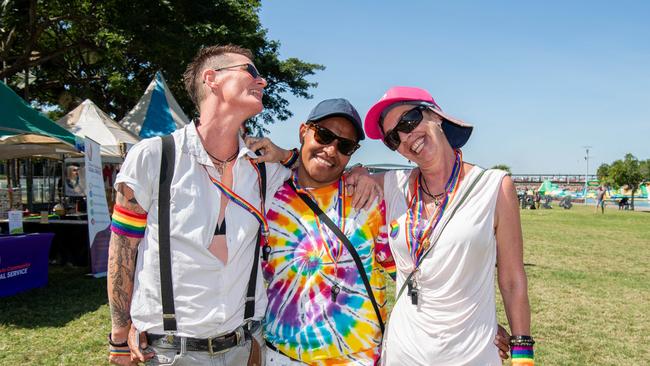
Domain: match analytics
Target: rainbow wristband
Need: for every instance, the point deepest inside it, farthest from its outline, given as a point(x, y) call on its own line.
point(120, 352)
point(128, 223)
point(523, 355)
point(288, 163)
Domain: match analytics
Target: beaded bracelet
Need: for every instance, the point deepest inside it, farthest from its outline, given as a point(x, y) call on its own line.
point(522, 340)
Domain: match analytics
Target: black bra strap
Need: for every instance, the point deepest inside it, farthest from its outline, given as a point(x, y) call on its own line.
point(221, 228)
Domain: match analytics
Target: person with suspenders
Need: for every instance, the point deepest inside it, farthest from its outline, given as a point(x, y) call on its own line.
point(183, 260)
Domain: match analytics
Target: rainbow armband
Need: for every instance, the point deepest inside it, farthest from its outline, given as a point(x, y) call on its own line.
point(128, 223)
point(522, 351)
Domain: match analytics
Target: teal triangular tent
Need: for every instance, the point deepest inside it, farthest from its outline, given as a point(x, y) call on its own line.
point(157, 113)
point(17, 117)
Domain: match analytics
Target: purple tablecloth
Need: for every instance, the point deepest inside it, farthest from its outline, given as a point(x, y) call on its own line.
point(23, 262)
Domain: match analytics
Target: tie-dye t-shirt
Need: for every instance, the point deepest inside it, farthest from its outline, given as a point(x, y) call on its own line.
point(302, 321)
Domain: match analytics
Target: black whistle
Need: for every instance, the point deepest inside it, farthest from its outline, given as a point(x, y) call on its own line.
point(413, 291)
point(266, 250)
point(334, 292)
point(414, 296)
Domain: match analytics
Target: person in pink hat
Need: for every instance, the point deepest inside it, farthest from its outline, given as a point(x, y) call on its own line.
point(450, 222)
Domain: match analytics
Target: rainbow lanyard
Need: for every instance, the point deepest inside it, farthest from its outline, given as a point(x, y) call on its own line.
point(333, 252)
point(417, 237)
point(258, 214)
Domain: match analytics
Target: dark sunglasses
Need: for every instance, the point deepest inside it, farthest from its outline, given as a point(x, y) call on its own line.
point(249, 69)
point(325, 137)
point(407, 123)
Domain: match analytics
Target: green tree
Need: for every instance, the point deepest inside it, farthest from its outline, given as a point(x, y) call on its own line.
point(603, 174)
point(627, 172)
point(503, 167)
point(645, 170)
point(109, 51)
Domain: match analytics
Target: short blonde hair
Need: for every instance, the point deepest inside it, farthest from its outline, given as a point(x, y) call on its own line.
point(206, 55)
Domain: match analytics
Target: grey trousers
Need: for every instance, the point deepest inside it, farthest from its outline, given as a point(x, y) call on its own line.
point(236, 356)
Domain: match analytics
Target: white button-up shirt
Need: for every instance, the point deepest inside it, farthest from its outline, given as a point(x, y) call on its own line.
point(209, 296)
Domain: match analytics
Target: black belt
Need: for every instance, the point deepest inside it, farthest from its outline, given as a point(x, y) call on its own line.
point(211, 344)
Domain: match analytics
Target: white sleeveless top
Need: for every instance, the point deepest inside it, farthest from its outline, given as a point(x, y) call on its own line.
point(454, 322)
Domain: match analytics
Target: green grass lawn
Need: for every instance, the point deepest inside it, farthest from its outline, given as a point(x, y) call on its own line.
point(589, 283)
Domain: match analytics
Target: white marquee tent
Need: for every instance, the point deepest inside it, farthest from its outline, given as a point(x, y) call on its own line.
point(88, 120)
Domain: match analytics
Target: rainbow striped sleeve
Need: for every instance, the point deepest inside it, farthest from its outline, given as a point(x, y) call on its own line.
point(128, 223)
point(523, 356)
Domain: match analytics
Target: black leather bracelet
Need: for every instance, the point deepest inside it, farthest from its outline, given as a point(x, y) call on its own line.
point(123, 344)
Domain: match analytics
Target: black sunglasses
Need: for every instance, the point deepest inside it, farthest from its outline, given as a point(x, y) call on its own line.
point(325, 137)
point(407, 123)
point(249, 68)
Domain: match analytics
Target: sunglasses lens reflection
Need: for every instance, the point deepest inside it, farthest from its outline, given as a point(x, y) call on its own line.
point(252, 70)
point(407, 123)
point(325, 137)
point(347, 147)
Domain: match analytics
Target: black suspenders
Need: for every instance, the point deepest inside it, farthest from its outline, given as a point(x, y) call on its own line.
point(164, 196)
point(166, 289)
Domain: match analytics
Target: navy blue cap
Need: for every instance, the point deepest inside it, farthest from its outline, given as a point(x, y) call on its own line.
point(338, 107)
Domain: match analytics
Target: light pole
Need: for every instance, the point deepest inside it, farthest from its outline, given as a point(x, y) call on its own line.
point(587, 172)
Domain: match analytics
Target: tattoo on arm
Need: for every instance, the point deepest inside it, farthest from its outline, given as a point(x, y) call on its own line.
point(122, 255)
point(121, 268)
point(126, 199)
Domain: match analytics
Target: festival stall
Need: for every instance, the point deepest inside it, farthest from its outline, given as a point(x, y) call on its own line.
point(26, 136)
point(26, 133)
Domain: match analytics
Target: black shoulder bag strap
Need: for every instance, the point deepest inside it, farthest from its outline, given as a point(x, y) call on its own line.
point(249, 310)
point(335, 229)
point(164, 196)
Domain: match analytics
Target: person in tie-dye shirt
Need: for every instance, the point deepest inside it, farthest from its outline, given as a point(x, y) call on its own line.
point(305, 323)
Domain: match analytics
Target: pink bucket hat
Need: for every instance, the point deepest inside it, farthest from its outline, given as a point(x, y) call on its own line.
point(456, 130)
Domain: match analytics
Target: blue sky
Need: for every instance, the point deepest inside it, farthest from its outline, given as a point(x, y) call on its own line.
point(539, 80)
